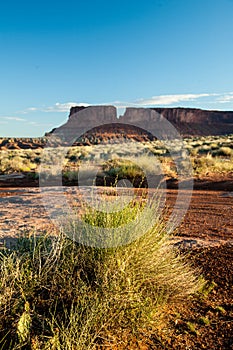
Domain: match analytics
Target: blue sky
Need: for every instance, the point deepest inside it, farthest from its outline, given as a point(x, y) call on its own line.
point(55, 54)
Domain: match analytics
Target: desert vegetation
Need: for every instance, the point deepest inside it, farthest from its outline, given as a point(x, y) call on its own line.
point(208, 155)
point(59, 294)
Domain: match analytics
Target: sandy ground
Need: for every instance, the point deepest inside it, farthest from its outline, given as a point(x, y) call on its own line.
point(208, 221)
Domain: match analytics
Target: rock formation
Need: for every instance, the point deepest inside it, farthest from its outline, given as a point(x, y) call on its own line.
point(99, 123)
point(198, 122)
point(188, 121)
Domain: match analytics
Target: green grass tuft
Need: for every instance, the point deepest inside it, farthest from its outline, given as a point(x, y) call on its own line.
point(58, 294)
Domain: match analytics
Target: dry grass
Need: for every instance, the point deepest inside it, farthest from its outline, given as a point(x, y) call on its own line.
point(133, 160)
point(58, 294)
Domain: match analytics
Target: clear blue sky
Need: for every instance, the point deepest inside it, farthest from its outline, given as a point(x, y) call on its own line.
point(55, 54)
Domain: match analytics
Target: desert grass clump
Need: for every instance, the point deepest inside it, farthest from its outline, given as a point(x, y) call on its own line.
point(57, 293)
point(122, 169)
point(224, 152)
point(207, 165)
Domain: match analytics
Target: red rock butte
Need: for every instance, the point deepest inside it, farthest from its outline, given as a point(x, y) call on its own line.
point(98, 124)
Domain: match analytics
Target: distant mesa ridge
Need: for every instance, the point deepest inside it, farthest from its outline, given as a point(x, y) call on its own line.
point(99, 124)
point(174, 115)
point(198, 122)
point(177, 114)
point(187, 121)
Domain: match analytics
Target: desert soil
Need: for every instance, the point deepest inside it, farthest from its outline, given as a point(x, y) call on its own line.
point(208, 221)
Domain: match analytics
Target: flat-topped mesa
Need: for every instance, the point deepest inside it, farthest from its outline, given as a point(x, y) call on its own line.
point(187, 121)
point(100, 124)
point(190, 121)
point(195, 115)
point(199, 122)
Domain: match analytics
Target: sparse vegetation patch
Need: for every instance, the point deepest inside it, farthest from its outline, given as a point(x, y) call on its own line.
point(58, 294)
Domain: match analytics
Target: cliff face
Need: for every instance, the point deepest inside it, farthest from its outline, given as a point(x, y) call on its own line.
point(193, 115)
point(95, 116)
point(198, 122)
point(99, 124)
point(187, 121)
